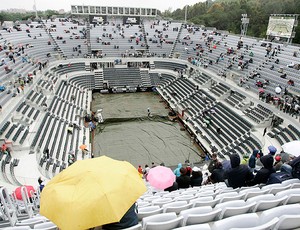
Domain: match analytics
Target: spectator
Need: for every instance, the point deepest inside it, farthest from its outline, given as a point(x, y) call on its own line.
point(146, 171)
point(291, 82)
point(40, 181)
point(172, 188)
point(238, 175)
point(272, 150)
point(188, 169)
point(140, 170)
point(245, 159)
point(278, 163)
point(264, 173)
point(129, 219)
point(284, 174)
point(213, 162)
point(217, 174)
point(183, 180)
point(177, 170)
point(196, 178)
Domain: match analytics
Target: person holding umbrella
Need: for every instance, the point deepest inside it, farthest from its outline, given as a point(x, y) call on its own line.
point(89, 194)
point(128, 220)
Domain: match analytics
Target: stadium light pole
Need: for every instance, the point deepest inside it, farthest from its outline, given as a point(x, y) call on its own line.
point(245, 23)
point(34, 7)
point(185, 14)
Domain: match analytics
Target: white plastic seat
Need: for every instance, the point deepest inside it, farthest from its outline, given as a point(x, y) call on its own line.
point(228, 189)
point(135, 227)
point(190, 192)
point(161, 193)
point(239, 221)
point(252, 192)
point(295, 185)
point(205, 193)
point(221, 185)
point(291, 209)
point(162, 201)
point(18, 228)
point(266, 201)
point(204, 201)
point(31, 222)
point(291, 182)
point(46, 226)
point(184, 198)
point(172, 194)
point(148, 211)
point(176, 206)
point(247, 188)
point(266, 226)
point(163, 221)
point(288, 222)
point(293, 195)
point(151, 198)
point(279, 189)
point(145, 196)
point(270, 186)
point(199, 215)
point(195, 227)
point(142, 204)
point(224, 197)
point(232, 208)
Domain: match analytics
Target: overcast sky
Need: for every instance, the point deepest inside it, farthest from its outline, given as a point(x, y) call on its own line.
point(65, 4)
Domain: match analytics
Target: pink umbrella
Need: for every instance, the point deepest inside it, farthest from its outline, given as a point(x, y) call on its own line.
point(161, 177)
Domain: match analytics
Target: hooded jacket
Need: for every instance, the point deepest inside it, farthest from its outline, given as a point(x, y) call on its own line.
point(239, 174)
point(264, 173)
point(252, 159)
point(177, 170)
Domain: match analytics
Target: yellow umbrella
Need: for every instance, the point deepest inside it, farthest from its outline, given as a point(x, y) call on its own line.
point(91, 193)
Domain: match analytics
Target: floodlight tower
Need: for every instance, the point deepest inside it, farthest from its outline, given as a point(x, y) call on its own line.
point(34, 7)
point(185, 14)
point(245, 23)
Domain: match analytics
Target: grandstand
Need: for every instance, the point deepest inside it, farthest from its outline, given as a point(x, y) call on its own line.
point(51, 68)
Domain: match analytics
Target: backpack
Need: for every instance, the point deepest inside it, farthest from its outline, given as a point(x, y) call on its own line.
point(296, 167)
point(277, 178)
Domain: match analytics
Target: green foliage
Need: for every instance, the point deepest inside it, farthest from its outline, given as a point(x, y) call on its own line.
point(226, 14)
point(10, 16)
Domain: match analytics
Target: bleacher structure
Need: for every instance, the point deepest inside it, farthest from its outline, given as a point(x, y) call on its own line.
point(137, 57)
point(189, 67)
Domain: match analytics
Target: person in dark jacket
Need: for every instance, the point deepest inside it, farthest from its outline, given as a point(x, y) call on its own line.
point(284, 174)
point(217, 174)
point(183, 181)
point(129, 219)
point(172, 188)
point(239, 174)
point(197, 177)
point(264, 173)
point(213, 162)
point(252, 160)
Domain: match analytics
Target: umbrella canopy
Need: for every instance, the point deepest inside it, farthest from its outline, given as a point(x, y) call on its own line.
point(278, 89)
point(91, 193)
point(261, 90)
point(28, 188)
point(82, 147)
point(161, 177)
point(292, 147)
